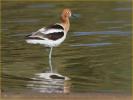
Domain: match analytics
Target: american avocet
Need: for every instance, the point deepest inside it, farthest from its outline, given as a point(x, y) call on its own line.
point(53, 35)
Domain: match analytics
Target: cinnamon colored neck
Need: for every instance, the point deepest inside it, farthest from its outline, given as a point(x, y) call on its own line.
point(65, 22)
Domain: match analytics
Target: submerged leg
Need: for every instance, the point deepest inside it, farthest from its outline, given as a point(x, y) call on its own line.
point(50, 64)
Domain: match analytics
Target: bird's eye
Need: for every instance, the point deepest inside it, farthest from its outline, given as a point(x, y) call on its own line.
point(68, 13)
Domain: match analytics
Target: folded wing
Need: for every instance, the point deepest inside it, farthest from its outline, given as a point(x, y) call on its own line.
point(52, 32)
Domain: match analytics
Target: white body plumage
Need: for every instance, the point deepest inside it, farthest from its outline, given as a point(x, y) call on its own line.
point(57, 32)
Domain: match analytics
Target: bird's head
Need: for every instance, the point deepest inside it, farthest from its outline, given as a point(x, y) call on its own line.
point(66, 12)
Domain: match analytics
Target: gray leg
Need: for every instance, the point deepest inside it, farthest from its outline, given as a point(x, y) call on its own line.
point(50, 64)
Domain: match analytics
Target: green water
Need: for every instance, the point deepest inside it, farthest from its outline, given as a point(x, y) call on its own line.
point(96, 54)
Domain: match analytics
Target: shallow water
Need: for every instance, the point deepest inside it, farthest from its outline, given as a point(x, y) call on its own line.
point(96, 54)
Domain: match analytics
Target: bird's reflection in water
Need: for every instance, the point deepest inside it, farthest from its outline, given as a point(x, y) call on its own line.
point(50, 83)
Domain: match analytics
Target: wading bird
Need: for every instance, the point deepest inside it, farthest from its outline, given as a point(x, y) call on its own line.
point(53, 35)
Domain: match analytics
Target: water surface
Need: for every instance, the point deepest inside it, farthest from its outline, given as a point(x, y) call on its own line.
point(96, 54)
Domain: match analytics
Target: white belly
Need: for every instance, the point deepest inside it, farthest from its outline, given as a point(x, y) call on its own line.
point(47, 42)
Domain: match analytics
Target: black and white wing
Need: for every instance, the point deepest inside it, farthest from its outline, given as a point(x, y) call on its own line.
point(52, 32)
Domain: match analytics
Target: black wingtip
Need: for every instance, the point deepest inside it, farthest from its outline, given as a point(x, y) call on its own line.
point(27, 36)
point(30, 37)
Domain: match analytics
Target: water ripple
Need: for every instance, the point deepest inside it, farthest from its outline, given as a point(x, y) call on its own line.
point(122, 9)
point(102, 32)
point(22, 21)
point(41, 6)
point(93, 44)
point(112, 21)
